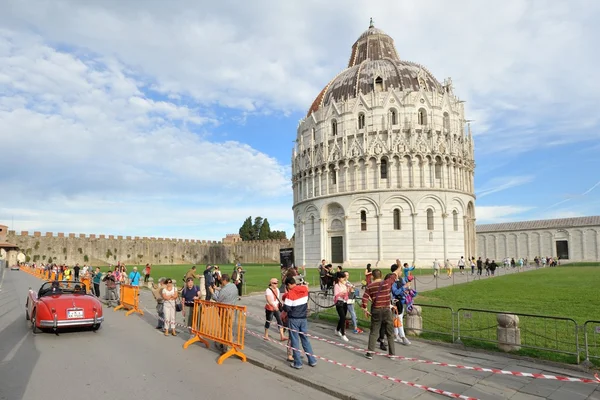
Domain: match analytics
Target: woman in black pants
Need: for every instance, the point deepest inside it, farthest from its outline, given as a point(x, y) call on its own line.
point(340, 297)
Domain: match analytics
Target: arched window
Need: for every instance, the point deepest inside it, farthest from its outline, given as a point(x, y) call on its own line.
point(397, 225)
point(430, 219)
point(361, 121)
point(363, 220)
point(333, 176)
point(312, 224)
point(334, 127)
point(455, 220)
point(384, 169)
point(314, 135)
point(422, 120)
point(446, 121)
point(378, 84)
point(393, 116)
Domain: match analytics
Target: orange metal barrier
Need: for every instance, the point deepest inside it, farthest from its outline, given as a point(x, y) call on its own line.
point(130, 299)
point(222, 323)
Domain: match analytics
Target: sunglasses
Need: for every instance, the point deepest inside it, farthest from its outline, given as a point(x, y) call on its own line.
point(274, 283)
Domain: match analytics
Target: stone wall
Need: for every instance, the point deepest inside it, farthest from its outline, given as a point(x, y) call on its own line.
point(108, 249)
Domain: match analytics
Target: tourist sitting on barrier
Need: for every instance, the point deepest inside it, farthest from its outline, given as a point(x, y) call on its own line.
point(295, 304)
point(273, 309)
point(157, 293)
point(378, 293)
point(189, 293)
point(353, 293)
point(169, 295)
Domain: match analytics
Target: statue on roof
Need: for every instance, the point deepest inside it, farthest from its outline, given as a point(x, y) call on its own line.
point(371, 25)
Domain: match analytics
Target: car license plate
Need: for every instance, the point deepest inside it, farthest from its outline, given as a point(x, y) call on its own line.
point(74, 313)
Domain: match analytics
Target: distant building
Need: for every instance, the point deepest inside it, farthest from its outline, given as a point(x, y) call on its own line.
point(231, 238)
point(573, 239)
point(383, 165)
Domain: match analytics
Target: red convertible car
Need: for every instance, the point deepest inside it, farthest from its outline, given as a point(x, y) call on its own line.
point(63, 304)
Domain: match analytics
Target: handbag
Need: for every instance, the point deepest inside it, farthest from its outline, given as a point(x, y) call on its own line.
point(279, 303)
point(178, 306)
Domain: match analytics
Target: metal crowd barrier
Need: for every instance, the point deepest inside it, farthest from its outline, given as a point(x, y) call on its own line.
point(591, 331)
point(222, 323)
point(539, 332)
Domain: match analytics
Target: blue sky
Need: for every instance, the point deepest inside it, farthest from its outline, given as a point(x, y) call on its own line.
point(176, 119)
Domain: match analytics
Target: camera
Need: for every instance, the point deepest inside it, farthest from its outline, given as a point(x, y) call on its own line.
point(299, 280)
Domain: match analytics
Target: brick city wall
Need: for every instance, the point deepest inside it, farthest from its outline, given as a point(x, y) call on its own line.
point(74, 248)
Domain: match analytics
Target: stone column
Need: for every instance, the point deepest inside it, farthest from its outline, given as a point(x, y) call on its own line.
point(346, 177)
point(583, 245)
point(444, 216)
point(391, 173)
point(323, 225)
point(346, 241)
point(356, 173)
point(414, 236)
point(411, 173)
point(508, 332)
point(367, 185)
point(431, 174)
point(313, 192)
point(400, 177)
point(303, 243)
point(378, 174)
point(379, 238)
point(319, 173)
point(327, 180)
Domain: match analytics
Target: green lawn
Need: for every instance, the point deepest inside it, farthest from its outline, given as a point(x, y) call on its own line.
point(567, 292)
point(257, 275)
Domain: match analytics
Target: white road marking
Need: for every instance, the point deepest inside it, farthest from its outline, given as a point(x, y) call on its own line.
point(13, 352)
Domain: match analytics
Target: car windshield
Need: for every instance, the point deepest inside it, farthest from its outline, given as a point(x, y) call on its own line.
point(62, 287)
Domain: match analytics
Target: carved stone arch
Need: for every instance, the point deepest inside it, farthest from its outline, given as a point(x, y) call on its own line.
point(332, 209)
point(336, 224)
point(460, 205)
point(390, 200)
point(436, 199)
point(361, 104)
point(311, 209)
point(367, 199)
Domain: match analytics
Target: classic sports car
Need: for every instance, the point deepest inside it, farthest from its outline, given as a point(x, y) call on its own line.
point(63, 304)
point(14, 267)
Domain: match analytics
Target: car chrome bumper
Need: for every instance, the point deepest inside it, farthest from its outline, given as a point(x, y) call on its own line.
point(71, 322)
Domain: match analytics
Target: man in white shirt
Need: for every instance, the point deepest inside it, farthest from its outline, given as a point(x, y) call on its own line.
point(461, 265)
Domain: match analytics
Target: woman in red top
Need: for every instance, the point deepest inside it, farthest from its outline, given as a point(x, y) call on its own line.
point(368, 275)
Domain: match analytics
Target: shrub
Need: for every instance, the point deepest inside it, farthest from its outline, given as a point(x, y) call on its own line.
point(80, 250)
point(128, 256)
point(27, 258)
point(44, 257)
point(108, 253)
point(36, 258)
point(64, 250)
point(37, 245)
point(86, 258)
point(115, 257)
point(140, 256)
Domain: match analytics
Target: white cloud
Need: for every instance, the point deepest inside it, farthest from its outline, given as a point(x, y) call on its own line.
point(495, 214)
point(499, 184)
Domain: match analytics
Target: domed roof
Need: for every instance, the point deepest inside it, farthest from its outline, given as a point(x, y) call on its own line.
point(374, 58)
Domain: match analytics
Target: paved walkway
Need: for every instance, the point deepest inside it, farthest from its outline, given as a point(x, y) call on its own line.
point(346, 383)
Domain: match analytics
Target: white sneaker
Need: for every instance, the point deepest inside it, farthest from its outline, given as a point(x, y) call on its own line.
point(405, 341)
point(397, 339)
point(344, 338)
point(338, 333)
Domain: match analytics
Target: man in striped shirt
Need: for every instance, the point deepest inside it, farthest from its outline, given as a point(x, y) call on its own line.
point(378, 292)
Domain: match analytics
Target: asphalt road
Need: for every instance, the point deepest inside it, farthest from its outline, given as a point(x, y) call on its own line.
point(126, 359)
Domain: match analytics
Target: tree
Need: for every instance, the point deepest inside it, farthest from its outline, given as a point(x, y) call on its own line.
point(246, 230)
point(258, 221)
point(265, 231)
point(278, 235)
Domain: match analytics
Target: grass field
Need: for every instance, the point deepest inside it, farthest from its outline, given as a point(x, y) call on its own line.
point(257, 275)
point(570, 292)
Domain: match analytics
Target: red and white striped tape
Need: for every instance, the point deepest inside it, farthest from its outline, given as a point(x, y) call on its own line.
point(378, 375)
point(372, 373)
point(448, 365)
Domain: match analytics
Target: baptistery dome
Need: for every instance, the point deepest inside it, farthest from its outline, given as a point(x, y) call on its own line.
point(383, 165)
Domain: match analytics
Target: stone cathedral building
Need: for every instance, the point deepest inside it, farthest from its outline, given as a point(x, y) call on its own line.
point(383, 165)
